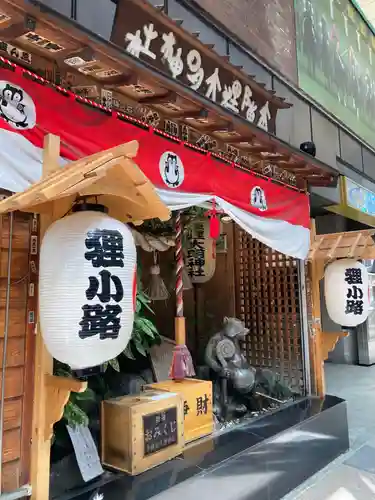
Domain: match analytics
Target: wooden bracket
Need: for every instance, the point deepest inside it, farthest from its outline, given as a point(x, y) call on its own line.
point(329, 341)
point(58, 391)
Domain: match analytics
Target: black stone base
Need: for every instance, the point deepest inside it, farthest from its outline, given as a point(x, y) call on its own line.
point(269, 456)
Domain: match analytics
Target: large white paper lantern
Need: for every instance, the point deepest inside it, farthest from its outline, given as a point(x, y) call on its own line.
point(86, 288)
point(346, 291)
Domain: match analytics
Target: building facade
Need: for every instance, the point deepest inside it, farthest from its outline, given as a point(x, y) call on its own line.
point(319, 56)
point(261, 38)
point(223, 82)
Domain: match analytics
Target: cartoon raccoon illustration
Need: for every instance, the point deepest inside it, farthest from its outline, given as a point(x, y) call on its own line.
point(172, 170)
point(258, 198)
point(11, 107)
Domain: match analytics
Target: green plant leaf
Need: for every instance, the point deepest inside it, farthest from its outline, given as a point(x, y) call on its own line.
point(136, 334)
point(114, 364)
point(143, 297)
point(74, 415)
point(146, 306)
point(145, 301)
point(144, 332)
point(150, 325)
point(138, 306)
point(143, 327)
point(87, 395)
point(128, 352)
point(140, 348)
point(62, 372)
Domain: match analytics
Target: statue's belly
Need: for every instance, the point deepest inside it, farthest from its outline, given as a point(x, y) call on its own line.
point(244, 379)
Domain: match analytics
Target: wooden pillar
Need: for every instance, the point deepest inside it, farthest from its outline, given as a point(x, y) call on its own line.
point(316, 271)
point(50, 393)
point(321, 342)
point(41, 447)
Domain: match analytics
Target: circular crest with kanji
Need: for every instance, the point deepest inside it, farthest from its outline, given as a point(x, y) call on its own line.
point(258, 198)
point(171, 169)
point(16, 106)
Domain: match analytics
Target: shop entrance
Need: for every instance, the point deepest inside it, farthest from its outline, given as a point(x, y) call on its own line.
point(255, 284)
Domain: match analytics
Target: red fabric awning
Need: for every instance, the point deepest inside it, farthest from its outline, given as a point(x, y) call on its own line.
point(31, 109)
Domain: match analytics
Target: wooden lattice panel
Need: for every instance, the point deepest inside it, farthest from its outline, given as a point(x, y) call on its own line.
point(349, 245)
point(268, 301)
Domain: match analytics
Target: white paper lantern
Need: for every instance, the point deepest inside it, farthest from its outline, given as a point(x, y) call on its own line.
point(86, 288)
point(346, 290)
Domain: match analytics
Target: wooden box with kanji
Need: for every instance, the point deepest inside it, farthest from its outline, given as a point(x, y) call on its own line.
point(197, 397)
point(141, 432)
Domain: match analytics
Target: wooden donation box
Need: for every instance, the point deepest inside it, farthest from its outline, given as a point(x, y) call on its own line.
point(141, 432)
point(197, 398)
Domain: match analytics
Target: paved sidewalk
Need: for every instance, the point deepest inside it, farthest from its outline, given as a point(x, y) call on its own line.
point(351, 476)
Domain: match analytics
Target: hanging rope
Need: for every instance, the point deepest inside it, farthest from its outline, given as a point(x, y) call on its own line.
point(179, 268)
point(182, 363)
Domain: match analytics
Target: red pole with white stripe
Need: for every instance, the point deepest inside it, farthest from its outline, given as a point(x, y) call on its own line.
point(182, 364)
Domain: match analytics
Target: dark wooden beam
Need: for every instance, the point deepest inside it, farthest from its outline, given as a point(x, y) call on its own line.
point(13, 31)
point(228, 140)
point(114, 82)
point(85, 53)
point(299, 164)
point(256, 149)
point(287, 168)
point(169, 97)
point(243, 139)
point(302, 171)
point(229, 127)
point(192, 113)
point(206, 128)
point(274, 158)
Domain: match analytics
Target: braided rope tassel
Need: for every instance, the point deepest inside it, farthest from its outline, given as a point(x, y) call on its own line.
point(179, 267)
point(182, 364)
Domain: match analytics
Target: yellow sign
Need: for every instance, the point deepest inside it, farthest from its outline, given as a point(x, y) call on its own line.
point(197, 396)
point(357, 203)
